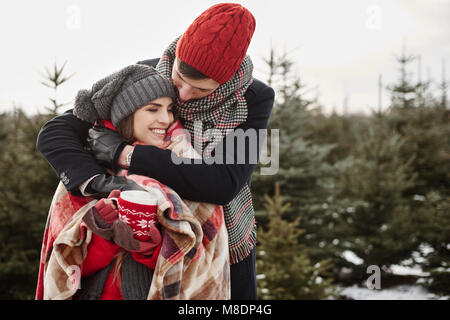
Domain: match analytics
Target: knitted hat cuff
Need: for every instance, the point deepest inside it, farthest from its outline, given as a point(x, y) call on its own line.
point(211, 66)
point(138, 95)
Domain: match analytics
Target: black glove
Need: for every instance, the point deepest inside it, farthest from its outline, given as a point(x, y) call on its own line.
point(102, 185)
point(106, 145)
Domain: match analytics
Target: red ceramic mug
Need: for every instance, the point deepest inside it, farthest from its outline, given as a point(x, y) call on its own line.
point(138, 209)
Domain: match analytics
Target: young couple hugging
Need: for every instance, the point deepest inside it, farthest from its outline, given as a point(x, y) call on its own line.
point(122, 135)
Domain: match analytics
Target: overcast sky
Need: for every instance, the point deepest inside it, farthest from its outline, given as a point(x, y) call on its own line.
point(340, 47)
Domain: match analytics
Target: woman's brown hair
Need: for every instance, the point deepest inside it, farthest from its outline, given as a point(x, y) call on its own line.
point(125, 128)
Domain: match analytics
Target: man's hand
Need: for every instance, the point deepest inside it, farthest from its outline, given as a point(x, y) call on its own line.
point(102, 185)
point(106, 145)
point(122, 160)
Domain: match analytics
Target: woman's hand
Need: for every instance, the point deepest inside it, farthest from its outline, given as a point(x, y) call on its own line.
point(107, 209)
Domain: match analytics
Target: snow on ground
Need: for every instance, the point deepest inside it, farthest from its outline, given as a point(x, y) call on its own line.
point(403, 292)
point(400, 292)
point(404, 271)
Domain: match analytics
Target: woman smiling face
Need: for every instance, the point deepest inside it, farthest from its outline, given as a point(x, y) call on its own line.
point(152, 121)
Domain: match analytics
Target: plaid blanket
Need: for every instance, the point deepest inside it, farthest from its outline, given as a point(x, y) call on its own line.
point(193, 262)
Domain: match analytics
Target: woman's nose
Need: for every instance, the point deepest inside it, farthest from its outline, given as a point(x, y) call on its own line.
point(164, 117)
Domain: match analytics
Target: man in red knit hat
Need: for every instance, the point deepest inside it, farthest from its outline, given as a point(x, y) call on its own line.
point(217, 93)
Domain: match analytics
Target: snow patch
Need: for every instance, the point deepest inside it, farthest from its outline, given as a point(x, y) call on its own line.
point(403, 292)
point(408, 271)
point(350, 256)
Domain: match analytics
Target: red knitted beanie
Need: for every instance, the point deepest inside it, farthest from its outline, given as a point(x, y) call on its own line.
point(216, 42)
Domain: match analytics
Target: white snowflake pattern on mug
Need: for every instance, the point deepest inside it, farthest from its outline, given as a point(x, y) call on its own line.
point(145, 224)
point(124, 218)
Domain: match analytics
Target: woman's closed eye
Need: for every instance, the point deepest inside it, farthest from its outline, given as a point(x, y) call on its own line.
point(157, 109)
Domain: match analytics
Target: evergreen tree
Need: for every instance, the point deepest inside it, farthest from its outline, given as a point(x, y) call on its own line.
point(26, 187)
point(306, 173)
point(337, 130)
point(378, 224)
point(286, 272)
point(53, 80)
point(434, 232)
point(422, 121)
point(404, 93)
point(27, 184)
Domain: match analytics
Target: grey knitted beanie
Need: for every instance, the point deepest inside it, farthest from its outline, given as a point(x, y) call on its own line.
point(120, 94)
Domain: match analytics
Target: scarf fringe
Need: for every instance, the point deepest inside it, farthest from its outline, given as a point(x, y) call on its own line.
point(242, 251)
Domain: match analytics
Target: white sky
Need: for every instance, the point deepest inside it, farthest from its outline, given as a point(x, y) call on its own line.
point(339, 46)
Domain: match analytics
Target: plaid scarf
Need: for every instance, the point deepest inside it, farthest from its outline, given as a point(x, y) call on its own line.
point(223, 110)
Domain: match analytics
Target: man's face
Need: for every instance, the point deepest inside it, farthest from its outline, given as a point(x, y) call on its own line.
point(189, 89)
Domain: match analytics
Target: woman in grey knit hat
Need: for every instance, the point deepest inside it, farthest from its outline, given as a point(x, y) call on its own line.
point(138, 102)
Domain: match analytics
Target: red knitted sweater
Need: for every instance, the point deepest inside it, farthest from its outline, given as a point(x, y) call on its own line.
point(100, 254)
